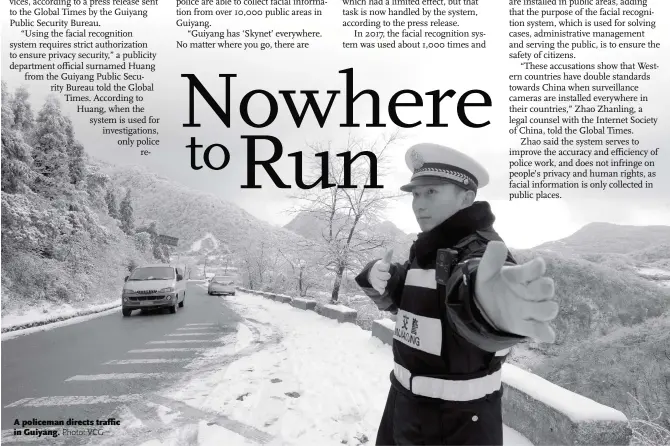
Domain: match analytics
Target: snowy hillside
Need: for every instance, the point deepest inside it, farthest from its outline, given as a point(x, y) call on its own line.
point(639, 250)
point(207, 242)
point(191, 215)
point(611, 329)
point(600, 238)
point(66, 243)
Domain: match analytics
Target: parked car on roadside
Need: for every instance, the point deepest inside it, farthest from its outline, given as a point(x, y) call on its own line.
point(222, 284)
point(154, 287)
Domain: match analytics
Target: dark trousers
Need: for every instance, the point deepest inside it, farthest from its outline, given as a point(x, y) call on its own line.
point(408, 420)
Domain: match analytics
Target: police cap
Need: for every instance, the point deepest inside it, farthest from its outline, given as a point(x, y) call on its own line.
point(435, 164)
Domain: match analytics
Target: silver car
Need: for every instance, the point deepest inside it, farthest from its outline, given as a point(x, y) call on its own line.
point(222, 285)
point(153, 287)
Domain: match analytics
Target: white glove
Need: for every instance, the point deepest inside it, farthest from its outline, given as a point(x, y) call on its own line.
point(518, 299)
point(379, 273)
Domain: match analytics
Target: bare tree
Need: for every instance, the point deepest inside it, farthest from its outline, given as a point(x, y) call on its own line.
point(302, 270)
point(260, 261)
point(258, 264)
point(348, 207)
point(226, 259)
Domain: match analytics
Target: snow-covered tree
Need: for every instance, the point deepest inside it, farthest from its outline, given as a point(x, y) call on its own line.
point(112, 205)
point(76, 155)
point(96, 183)
point(7, 112)
point(126, 214)
point(16, 161)
point(346, 206)
point(151, 229)
point(131, 265)
point(21, 110)
point(306, 273)
point(50, 149)
point(16, 156)
point(142, 241)
point(161, 253)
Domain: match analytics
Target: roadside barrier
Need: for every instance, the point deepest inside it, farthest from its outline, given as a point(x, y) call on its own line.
point(538, 409)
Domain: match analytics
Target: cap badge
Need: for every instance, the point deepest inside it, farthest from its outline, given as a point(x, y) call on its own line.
point(417, 159)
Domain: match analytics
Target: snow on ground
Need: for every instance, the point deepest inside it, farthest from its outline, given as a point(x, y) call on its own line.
point(218, 435)
point(51, 311)
point(185, 436)
point(244, 338)
point(660, 276)
point(514, 438)
point(341, 308)
point(198, 243)
point(61, 316)
point(321, 383)
point(525, 357)
point(130, 421)
point(654, 272)
point(165, 414)
point(203, 433)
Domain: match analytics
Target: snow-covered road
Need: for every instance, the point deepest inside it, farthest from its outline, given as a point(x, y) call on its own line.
point(288, 377)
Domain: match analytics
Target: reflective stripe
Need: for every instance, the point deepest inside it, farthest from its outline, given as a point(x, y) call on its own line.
point(448, 390)
point(502, 352)
point(424, 278)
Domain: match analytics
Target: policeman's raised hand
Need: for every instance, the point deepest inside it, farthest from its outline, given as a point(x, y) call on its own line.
point(518, 299)
point(379, 273)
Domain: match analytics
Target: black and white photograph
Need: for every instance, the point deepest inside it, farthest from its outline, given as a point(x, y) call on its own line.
point(305, 222)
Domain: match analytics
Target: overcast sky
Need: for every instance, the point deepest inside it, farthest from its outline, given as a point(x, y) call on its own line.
point(521, 223)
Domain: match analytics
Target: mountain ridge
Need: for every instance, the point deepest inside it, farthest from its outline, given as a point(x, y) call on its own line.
point(610, 238)
point(614, 238)
point(189, 214)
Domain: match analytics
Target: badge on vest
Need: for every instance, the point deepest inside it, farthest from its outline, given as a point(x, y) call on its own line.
point(419, 332)
point(444, 264)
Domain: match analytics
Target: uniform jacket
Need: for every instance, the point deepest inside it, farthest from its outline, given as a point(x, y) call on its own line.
point(440, 331)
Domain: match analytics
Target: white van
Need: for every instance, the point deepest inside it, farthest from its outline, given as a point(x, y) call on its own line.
point(152, 287)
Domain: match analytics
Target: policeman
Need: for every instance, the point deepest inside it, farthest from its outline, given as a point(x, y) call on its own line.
point(460, 302)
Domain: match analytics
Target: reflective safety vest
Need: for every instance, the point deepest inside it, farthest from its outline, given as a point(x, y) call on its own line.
point(431, 358)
